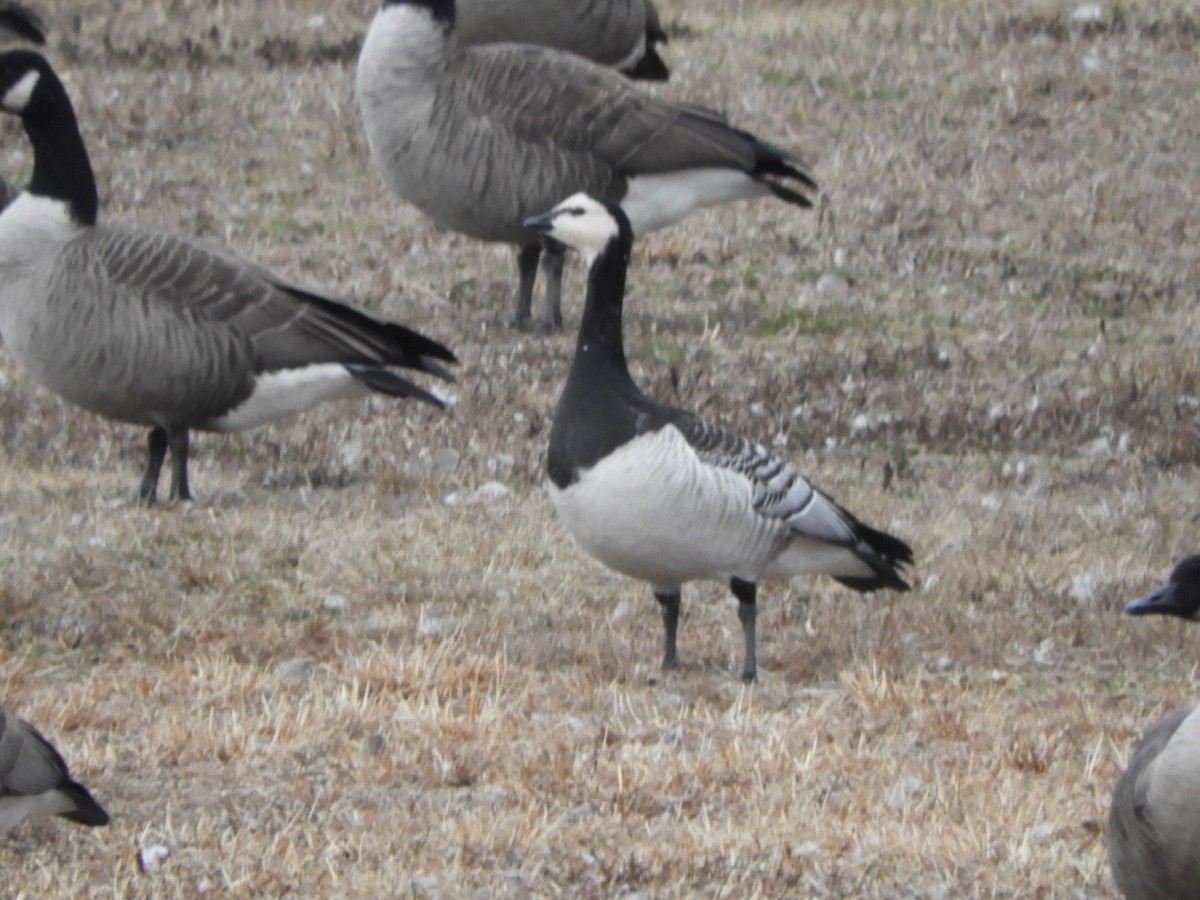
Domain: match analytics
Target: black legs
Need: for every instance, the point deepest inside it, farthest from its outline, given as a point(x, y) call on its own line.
point(552, 271)
point(178, 442)
point(746, 593)
point(527, 264)
point(550, 252)
point(159, 443)
point(669, 607)
point(156, 452)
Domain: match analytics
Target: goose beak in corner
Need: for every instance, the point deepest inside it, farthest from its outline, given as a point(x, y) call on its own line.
point(542, 221)
point(1161, 602)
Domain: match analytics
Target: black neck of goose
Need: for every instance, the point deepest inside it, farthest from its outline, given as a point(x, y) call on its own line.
point(443, 10)
point(600, 343)
point(61, 168)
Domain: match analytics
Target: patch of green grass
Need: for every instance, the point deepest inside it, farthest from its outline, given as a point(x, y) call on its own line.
point(804, 320)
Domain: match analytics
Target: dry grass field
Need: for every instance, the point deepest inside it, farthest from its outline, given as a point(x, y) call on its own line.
point(357, 667)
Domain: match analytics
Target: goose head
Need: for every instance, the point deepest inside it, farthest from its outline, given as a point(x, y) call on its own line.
point(1179, 597)
point(22, 76)
point(584, 223)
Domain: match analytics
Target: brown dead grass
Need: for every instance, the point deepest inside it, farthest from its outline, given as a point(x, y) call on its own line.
point(1004, 370)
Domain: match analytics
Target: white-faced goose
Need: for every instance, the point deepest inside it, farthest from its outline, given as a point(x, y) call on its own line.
point(664, 496)
point(161, 330)
point(1154, 821)
point(34, 780)
point(622, 34)
point(482, 137)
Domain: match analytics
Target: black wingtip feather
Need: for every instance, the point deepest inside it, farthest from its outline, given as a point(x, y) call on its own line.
point(87, 811)
point(650, 68)
point(392, 384)
point(884, 553)
point(773, 162)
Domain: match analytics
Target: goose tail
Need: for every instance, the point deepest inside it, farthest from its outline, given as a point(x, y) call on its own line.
point(650, 67)
point(87, 811)
point(387, 382)
point(885, 554)
point(773, 163)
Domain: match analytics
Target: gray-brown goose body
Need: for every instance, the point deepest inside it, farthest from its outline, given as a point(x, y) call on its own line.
point(621, 34)
point(662, 495)
point(160, 330)
point(35, 781)
point(480, 138)
point(1154, 820)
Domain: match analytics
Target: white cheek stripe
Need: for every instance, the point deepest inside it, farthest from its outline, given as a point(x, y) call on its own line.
point(18, 96)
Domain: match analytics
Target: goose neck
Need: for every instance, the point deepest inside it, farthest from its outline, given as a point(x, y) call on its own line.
point(601, 343)
point(61, 169)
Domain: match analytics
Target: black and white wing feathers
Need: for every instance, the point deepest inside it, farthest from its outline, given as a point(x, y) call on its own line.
point(781, 493)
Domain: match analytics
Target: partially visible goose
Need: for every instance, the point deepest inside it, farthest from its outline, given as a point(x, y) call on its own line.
point(1154, 822)
point(480, 138)
point(19, 22)
point(664, 496)
point(161, 330)
point(35, 781)
point(617, 33)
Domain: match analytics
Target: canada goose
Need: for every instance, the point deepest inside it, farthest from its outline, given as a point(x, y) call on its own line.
point(480, 138)
point(1154, 821)
point(660, 494)
point(34, 780)
point(161, 330)
point(617, 33)
point(20, 23)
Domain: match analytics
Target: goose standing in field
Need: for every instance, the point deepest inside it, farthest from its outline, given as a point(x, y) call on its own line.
point(1154, 822)
point(664, 496)
point(622, 34)
point(482, 137)
point(34, 780)
point(160, 330)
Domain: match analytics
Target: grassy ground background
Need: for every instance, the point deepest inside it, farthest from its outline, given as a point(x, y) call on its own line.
point(353, 668)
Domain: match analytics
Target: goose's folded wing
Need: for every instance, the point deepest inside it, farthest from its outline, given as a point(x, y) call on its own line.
point(289, 325)
point(778, 491)
point(28, 762)
point(593, 110)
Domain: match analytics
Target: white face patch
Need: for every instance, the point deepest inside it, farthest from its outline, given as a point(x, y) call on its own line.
point(584, 224)
point(17, 97)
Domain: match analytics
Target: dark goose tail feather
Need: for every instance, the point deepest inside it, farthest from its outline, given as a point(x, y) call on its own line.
point(775, 161)
point(87, 811)
point(884, 553)
point(650, 68)
point(386, 382)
